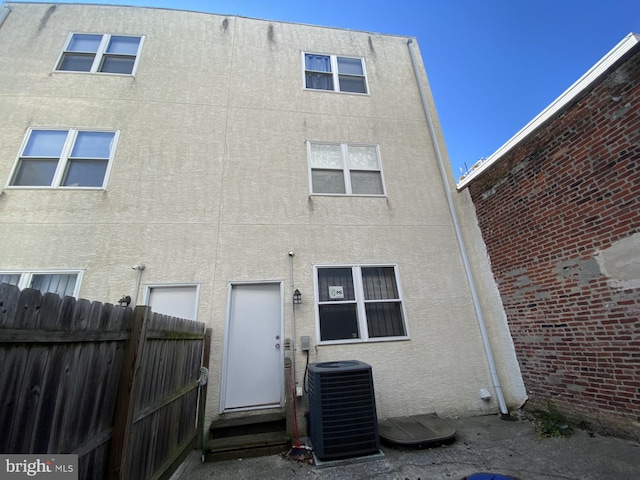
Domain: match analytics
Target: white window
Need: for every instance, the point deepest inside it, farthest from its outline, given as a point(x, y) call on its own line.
point(64, 158)
point(359, 303)
point(175, 300)
point(344, 169)
point(62, 282)
point(97, 53)
point(334, 73)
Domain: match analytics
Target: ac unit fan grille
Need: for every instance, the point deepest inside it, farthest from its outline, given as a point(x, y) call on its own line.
point(342, 413)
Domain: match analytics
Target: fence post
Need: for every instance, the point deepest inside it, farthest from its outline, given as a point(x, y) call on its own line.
point(205, 363)
point(125, 401)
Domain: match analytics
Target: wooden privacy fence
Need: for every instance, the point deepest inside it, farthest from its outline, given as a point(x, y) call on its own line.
point(116, 386)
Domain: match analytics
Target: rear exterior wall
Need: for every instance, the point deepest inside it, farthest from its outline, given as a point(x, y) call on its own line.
point(209, 186)
point(560, 215)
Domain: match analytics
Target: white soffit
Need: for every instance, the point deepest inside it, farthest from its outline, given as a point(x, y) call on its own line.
point(584, 82)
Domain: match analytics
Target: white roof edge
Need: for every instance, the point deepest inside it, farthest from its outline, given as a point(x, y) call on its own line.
point(617, 52)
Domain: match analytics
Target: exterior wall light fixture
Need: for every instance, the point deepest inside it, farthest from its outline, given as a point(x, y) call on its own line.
point(297, 297)
point(125, 301)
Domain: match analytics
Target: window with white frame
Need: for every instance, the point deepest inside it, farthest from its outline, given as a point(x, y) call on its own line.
point(334, 73)
point(62, 282)
point(359, 303)
point(344, 169)
point(64, 158)
point(97, 53)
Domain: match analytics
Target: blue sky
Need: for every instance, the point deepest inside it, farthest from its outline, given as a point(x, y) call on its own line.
point(492, 65)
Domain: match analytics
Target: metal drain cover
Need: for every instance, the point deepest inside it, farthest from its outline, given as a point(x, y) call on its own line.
point(416, 429)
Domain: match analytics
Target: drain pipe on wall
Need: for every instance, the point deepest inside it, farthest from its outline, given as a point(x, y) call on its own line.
point(465, 259)
point(293, 322)
point(139, 267)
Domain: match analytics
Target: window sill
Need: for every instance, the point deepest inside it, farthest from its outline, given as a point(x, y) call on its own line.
point(35, 187)
point(348, 195)
point(360, 341)
point(109, 74)
point(336, 91)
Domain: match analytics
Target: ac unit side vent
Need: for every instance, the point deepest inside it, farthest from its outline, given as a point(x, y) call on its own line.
point(342, 410)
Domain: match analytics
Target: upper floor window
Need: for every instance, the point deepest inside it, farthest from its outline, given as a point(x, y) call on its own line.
point(347, 169)
point(64, 158)
point(64, 283)
point(96, 53)
point(359, 303)
point(331, 72)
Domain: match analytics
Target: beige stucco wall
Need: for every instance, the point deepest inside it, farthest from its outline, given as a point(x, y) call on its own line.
point(210, 185)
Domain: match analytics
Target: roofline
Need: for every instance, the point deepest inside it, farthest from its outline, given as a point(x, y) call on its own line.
point(221, 14)
point(583, 83)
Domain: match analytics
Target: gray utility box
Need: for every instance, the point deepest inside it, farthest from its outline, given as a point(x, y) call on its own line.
point(342, 410)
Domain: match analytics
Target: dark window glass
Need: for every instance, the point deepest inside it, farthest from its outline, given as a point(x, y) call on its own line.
point(35, 173)
point(352, 84)
point(117, 65)
point(327, 181)
point(379, 283)
point(76, 63)
point(85, 173)
point(319, 81)
point(384, 319)
point(339, 322)
point(340, 277)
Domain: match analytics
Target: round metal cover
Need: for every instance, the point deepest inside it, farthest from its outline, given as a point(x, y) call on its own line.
point(416, 430)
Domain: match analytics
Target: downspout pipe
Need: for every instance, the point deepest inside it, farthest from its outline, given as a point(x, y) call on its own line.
point(139, 267)
point(463, 250)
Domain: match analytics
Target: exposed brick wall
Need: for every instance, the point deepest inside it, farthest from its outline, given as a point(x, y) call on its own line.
point(547, 210)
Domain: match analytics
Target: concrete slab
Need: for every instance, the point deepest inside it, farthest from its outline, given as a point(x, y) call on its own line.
point(483, 444)
point(379, 455)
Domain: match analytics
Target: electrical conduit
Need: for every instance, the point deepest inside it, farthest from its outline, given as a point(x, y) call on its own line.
point(465, 259)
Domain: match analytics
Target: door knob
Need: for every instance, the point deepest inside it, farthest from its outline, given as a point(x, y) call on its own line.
point(277, 345)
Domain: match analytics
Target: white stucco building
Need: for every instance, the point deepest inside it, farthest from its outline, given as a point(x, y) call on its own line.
point(207, 148)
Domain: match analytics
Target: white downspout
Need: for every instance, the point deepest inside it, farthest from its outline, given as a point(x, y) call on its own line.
point(465, 259)
point(139, 267)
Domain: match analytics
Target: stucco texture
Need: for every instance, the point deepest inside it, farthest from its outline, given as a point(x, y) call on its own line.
point(210, 185)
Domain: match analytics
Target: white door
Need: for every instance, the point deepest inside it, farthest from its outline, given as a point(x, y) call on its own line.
point(253, 376)
point(176, 300)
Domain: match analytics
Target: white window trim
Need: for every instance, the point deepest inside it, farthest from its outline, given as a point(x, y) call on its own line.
point(97, 61)
point(72, 133)
point(27, 275)
point(356, 271)
point(334, 73)
point(345, 169)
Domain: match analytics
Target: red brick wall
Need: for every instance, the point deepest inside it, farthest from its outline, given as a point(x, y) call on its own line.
point(546, 210)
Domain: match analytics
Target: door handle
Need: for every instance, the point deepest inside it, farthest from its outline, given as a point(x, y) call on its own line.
point(277, 345)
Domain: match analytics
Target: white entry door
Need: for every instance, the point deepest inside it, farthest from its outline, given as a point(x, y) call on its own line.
point(253, 376)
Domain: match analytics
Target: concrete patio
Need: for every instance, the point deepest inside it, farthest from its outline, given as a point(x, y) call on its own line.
point(483, 444)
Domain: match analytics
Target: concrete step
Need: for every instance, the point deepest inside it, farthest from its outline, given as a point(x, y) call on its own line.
point(245, 446)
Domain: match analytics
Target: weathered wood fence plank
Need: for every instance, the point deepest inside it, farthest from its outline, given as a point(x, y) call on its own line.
point(114, 385)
